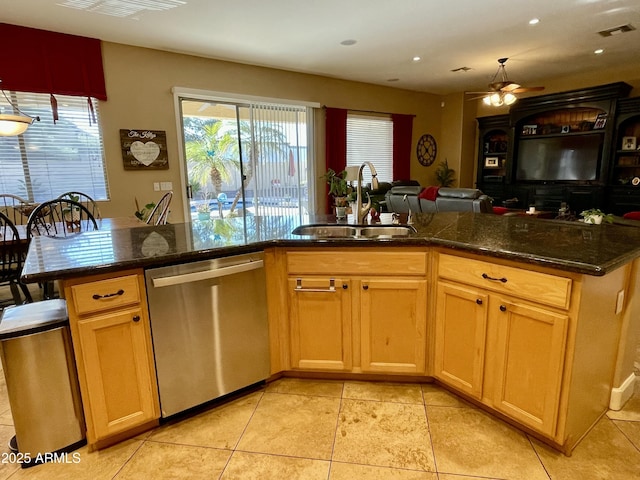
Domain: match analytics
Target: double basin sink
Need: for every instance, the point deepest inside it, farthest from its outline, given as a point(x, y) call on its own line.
point(354, 231)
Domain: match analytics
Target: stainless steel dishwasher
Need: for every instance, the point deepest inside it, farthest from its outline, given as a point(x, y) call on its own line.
point(209, 329)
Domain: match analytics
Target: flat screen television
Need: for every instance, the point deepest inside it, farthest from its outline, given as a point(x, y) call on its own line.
point(570, 158)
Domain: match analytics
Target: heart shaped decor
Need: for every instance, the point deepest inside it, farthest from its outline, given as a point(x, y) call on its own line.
point(145, 153)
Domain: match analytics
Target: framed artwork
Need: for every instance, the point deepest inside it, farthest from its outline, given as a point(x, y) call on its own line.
point(628, 143)
point(491, 162)
point(601, 121)
point(144, 149)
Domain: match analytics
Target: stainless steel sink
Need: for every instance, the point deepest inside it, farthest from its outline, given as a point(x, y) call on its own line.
point(354, 231)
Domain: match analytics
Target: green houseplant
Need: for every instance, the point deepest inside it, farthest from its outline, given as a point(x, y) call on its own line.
point(596, 216)
point(339, 188)
point(445, 176)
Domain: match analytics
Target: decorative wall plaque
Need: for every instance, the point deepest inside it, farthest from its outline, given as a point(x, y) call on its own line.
point(144, 149)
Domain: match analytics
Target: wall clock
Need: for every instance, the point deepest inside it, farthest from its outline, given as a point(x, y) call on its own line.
point(426, 150)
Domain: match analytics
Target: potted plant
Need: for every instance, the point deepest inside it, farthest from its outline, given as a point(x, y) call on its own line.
point(203, 209)
point(143, 213)
point(445, 176)
point(596, 216)
point(339, 189)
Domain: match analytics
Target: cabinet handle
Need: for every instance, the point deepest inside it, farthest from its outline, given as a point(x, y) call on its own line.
point(331, 289)
point(107, 295)
point(365, 287)
point(136, 318)
point(345, 286)
point(487, 277)
point(479, 301)
point(503, 308)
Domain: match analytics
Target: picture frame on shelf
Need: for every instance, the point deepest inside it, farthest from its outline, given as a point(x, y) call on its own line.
point(529, 129)
point(601, 121)
point(491, 162)
point(628, 143)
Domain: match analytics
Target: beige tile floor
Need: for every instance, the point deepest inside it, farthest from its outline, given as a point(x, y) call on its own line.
point(333, 430)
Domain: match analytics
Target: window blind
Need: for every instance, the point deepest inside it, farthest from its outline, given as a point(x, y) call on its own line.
point(50, 159)
point(370, 139)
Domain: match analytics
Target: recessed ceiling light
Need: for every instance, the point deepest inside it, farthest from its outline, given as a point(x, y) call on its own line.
point(534, 21)
point(348, 43)
point(416, 58)
point(599, 51)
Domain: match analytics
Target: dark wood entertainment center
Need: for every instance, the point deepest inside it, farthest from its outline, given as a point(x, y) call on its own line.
point(580, 147)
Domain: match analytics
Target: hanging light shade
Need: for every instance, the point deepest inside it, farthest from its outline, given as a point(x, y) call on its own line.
point(11, 125)
point(498, 99)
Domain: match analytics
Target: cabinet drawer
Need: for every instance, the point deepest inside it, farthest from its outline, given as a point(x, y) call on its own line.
point(538, 287)
point(105, 294)
point(345, 262)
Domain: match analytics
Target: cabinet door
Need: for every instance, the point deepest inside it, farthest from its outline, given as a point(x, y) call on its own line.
point(393, 318)
point(461, 324)
point(320, 323)
point(529, 363)
point(119, 374)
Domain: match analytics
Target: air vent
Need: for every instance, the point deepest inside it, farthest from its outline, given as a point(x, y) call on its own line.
point(121, 8)
point(461, 69)
point(617, 30)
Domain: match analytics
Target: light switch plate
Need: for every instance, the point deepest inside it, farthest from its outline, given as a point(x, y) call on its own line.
point(166, 186)
point(156, 186)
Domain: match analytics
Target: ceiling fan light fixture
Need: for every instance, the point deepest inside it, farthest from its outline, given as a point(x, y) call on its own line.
point(509, 98)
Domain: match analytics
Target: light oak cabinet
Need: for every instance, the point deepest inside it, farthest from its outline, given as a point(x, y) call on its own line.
point(461, 325)
point(320, 315)
point(360, 310)
point(527, 355)
point(533, 344)
point(393, 318)
point(112, 342)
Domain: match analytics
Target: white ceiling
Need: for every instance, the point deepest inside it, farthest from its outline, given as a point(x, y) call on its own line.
point(306, 35)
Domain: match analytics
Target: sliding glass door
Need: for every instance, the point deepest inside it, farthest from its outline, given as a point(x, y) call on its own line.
point(246, 159)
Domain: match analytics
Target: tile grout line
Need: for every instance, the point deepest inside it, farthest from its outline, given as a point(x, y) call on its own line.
point(426, 416)
point(235, 447)
point(335, 431)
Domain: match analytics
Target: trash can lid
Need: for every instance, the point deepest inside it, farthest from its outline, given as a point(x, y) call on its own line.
point(19, 320)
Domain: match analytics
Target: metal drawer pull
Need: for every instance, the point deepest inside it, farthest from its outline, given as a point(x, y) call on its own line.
point(479, 301)
point(331, 289)
point(107, 295)
point(487, 277)
point(503, 308)
point(136, 318)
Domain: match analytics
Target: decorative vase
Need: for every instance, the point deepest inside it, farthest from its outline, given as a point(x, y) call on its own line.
point(341, 212)
point(593, 219)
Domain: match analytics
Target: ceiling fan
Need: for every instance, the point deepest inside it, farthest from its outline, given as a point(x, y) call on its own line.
point(502, 91)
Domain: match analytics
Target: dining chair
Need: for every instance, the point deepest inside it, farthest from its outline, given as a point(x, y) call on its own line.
point(85, 200)
point(60, 218)
point(16, 208)
point(160, 212)
point(12, 253)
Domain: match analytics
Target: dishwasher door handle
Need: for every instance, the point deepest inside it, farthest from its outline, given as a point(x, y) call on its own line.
point(206, 274)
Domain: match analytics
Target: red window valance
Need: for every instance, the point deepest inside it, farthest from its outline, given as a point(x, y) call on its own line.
point(39, 61)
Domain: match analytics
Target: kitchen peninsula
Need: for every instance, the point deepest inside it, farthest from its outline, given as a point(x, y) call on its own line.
point(521, 316)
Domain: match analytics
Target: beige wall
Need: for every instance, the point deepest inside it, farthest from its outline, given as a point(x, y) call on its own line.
point(139, 83)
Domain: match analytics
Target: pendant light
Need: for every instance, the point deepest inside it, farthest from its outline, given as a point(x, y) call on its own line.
point(16, 123)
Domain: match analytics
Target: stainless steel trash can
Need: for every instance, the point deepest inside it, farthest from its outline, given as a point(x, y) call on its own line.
point(42, 382)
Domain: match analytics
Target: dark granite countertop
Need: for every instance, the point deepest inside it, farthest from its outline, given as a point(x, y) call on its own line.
point(568, 246)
